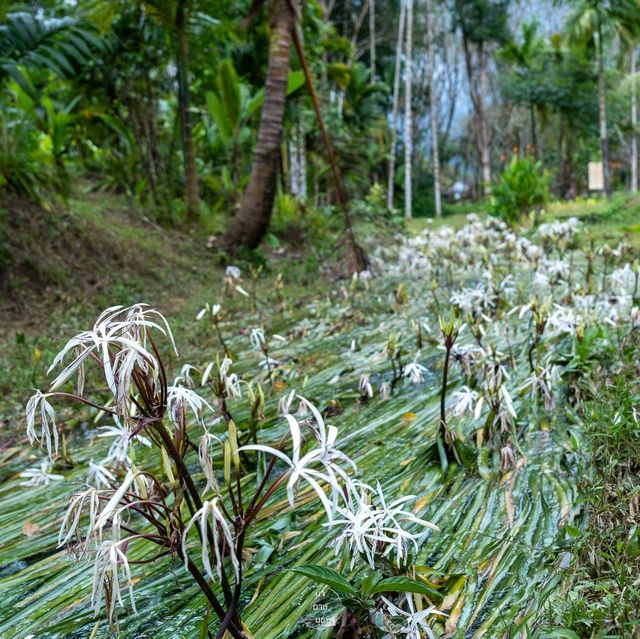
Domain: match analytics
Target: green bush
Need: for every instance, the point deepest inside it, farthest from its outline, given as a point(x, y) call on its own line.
point(523, 188)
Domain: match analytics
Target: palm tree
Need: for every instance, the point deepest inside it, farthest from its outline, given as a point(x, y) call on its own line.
point(249, 225)
point(34, 42)
point(594, 22)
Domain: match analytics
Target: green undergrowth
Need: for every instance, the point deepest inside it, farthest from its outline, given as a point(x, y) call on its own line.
point(600, 593)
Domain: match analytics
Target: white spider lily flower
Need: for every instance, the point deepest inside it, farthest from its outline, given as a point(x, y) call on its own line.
point(415, 372)
point(623, 280)
point(211, 517)
point(98, 475)
point(240, 290)
point(124, 363)
point(213, 310)
point(230, 380)
point(205, 461)
point(39, 476)
point(557, 268)
point(284, 404)
point(111, 512)
point(541, 281)
point(85, 501)
point(122, 440)
point(233, 272)
point(110, 560)
point(179, 398)
point(207, 373)
point(563, 320)
point(374, 528)
point(414, 624)
point(325, 456)
point(467, 356)
point(257, 338)
point(122, 329)
point(225, 365)
point(38, 408)
point(540, 384)
point(269, 362)
point(463, 401)
point(508, 402)
point(185, 375)
point(364, 386)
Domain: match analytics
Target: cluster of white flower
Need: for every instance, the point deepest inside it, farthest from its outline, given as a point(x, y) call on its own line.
point(375, 530)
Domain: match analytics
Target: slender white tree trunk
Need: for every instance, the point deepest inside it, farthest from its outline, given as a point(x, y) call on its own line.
point(634, 124)
point(297, 163)
point(408, 126)
point(602, 109)
point(434, 111)
point(485, 149)
point(302, 162)
point(372, 38)
point(395, 107)
point(293, 166)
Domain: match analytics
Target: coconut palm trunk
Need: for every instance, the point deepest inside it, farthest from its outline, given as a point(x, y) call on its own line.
point(408, 124)
point(249, 225)
point(184, 106)
point(433, 95)
point(395, 107)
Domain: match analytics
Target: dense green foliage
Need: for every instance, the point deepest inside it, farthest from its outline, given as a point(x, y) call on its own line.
point(523, 188)
point(91, 91)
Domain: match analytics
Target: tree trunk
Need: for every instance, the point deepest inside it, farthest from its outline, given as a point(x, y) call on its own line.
point(188, 148)
point(298, 162)
point(394, 108)
point(477, 91)
point(250, 224)
point(434, 111)
point(356, 259)
point(634, 124)
point(302, 161)
point(372, 38)
point(408, 132)
point(483, 127)
point(602, 110)
point(534, 137)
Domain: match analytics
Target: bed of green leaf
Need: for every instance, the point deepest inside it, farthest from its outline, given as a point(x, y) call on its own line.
point(496, 557)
